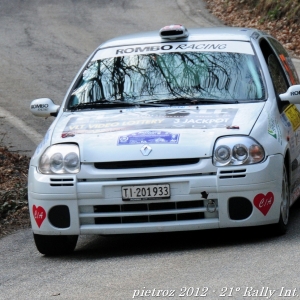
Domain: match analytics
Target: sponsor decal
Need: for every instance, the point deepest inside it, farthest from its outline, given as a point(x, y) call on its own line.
point(157, 119)
point(149, 137)
point(39, 215)
point(39, 107)
point(233, 127)
point(285, 121)
point(296, 93)
point(293, 114)
point(67, 134)
point(264, 202)
point(274, 129)
point(203, 46)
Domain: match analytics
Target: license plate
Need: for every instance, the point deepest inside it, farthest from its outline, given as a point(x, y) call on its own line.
point(146, 192)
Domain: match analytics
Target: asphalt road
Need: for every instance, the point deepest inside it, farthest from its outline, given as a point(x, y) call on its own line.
point(42, 45)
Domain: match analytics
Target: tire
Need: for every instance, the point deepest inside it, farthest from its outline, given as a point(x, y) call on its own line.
point(55, 244)
point(281, 227)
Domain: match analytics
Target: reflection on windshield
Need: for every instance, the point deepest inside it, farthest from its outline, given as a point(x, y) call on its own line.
point(154, 77)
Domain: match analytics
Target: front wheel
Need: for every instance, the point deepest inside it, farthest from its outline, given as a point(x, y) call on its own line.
point(55, 244)
point(281, 227)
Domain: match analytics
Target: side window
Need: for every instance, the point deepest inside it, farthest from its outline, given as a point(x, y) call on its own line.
point(286, 61)
point(277, 75)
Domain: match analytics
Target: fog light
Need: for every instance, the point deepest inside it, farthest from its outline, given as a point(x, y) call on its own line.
point(239, 208)
point(59, 216)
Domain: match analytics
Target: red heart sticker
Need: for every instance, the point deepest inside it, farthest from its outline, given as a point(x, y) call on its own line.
point(264, 202)
point(39, 215)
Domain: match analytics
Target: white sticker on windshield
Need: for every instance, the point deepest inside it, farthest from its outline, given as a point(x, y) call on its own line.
point(203, 46)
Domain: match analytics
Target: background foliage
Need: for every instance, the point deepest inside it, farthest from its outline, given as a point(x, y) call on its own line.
point(281, 18)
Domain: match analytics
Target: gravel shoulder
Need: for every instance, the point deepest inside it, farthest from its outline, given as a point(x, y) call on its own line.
point(14, 213)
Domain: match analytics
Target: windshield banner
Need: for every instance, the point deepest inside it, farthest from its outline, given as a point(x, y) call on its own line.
point(203, 46)
point(156, 119)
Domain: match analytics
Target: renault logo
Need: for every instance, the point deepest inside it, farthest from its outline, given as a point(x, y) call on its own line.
point(146, 149)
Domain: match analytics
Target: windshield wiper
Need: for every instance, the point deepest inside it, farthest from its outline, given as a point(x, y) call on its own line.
point(194, 101)
point(104, 103)
point(190, 101)
point(151, 103)
point(114, 103)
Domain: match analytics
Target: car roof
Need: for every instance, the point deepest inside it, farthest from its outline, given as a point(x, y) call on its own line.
point(195, 34)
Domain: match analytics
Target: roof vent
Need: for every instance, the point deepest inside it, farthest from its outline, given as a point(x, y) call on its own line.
point(173, 32)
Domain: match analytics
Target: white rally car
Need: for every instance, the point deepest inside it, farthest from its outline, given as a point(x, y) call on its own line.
point(169, 131)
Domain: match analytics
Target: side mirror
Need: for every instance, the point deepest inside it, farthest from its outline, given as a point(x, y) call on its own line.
point(44, 107)
point(292, 94)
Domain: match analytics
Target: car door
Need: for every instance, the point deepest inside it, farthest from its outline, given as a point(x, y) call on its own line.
point(284, 74)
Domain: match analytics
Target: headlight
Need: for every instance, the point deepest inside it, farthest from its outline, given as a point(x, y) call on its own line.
point(237, 150)
point(60, 159)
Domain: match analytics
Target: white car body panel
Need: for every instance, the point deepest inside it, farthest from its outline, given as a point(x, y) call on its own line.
point(99, 132)
point(201, 193)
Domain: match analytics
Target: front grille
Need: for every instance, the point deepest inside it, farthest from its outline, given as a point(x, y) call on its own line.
point(61, 182)
point(146, 163)
point(147, 212)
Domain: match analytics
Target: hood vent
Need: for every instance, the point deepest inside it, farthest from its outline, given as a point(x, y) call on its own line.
point(232, 174)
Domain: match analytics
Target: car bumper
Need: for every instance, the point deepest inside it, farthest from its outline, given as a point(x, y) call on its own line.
point(214, 198)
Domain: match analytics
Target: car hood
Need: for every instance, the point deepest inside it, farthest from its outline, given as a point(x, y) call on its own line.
point(167, 132)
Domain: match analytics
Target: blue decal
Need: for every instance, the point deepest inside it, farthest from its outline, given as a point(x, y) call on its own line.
point(149, 137)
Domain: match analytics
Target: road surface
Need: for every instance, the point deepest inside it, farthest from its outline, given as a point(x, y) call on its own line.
point(43, 44)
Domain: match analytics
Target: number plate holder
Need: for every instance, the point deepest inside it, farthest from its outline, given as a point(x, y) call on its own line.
point(146, 192)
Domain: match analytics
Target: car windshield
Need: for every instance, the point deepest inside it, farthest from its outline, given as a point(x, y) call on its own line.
point(167, 77)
